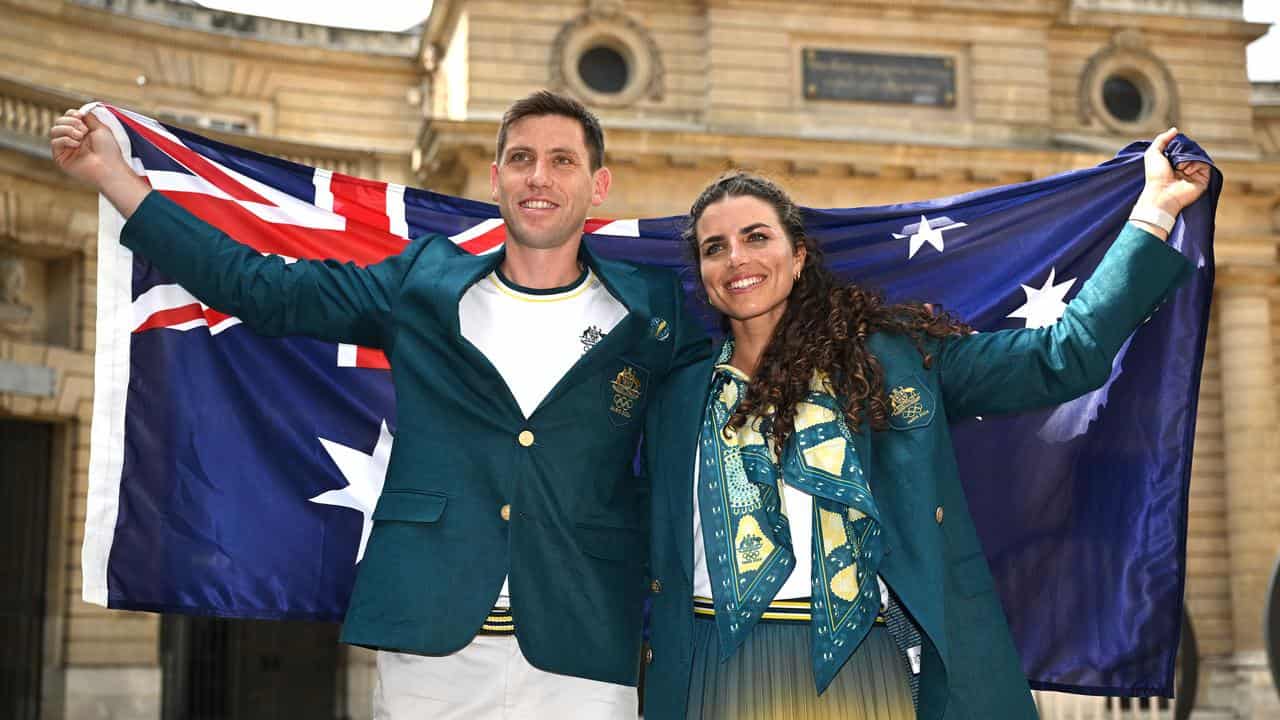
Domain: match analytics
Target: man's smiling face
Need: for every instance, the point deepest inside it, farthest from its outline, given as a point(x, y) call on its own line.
point(543, 181)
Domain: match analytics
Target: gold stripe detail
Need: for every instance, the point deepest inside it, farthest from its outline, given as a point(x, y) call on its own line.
point(792, 610)
point(587, 284)
point(726, 367)
point(499, 622)
point(781, 616)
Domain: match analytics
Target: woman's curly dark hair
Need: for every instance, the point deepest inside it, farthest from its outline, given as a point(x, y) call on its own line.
point(824, 327)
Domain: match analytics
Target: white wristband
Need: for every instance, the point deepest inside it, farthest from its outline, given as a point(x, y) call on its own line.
point(1153, 216)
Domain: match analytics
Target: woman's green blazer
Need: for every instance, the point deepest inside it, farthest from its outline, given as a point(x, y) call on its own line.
point(933, 560)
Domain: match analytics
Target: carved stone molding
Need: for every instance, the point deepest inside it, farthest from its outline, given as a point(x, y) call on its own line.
point(47, 221)
point(15, 308)
point(443, 144)
point(13, 279)
point(1128, 57)
point(605, 24)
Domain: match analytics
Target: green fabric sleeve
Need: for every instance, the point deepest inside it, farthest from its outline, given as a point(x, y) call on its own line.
point(324, 299)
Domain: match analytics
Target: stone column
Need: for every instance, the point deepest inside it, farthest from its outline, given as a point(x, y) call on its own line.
point(1251, 440)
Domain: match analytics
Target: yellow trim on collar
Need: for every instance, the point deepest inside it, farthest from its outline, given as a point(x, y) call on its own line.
point(590, 282)
point(726, 367)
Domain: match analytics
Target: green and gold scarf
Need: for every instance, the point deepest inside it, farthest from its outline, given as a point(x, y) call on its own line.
point(745, 528)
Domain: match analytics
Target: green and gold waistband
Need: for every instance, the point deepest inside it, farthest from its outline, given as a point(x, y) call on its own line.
point(779, 610)
point(499, 622)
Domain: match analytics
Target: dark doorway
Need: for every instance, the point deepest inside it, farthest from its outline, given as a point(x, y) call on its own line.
point(24, 546)
point(218, 669)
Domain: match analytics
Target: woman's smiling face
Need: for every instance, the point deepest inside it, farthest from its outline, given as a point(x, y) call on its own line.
point(747, 262)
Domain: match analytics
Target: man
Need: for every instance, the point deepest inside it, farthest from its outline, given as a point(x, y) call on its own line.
point(510, 497)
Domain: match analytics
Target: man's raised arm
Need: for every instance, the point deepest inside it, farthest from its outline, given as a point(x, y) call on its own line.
point(339, 302)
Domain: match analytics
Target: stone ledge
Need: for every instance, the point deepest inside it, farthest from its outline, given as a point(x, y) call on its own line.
point(27, 111)
point(128, 693)
point(441, 143)
point(30, 380)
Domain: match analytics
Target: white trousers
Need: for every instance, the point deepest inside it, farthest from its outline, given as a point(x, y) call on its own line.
point(490, 680)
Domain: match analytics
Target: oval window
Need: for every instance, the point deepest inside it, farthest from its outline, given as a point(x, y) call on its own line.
point(1124, 99)
point(604, 70)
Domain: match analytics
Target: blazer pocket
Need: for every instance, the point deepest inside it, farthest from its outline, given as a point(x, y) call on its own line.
point(972, 576)
point(612, 543)
point(410, 506)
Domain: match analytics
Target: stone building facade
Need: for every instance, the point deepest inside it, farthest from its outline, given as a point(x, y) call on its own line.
point(969, 93)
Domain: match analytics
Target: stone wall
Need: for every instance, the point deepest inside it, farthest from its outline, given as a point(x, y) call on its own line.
point(292, 92)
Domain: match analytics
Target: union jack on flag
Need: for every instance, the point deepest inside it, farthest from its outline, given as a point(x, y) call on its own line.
point(234, 474)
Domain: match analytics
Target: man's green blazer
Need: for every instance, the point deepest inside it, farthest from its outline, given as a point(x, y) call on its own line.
point(933, 559)
point(574, 543)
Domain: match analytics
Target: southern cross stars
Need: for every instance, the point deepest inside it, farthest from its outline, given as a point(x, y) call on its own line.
point(926, 231)
point(1044, 305)
point(364, 474)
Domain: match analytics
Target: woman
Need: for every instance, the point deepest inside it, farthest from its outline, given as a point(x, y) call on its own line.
point(834, 567)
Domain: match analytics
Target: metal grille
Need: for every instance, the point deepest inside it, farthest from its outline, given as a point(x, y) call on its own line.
point(24, 539)
point(220, 669)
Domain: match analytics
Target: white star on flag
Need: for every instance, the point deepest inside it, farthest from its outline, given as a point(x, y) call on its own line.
point(364, 474)
point(924, 232)
point(1044, 305)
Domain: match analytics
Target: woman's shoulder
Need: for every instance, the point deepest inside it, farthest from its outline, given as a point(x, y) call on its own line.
point(897, 349)
point(893, 339)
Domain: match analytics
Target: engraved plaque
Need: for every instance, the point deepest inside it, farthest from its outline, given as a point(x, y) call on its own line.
point(877, 77)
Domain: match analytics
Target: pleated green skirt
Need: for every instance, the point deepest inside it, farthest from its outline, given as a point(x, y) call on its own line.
point(771, 678)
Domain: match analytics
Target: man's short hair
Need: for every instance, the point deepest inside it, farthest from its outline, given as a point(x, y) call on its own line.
point(545, 102)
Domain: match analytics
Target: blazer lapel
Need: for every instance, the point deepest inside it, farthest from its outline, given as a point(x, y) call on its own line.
point(457, 273)
point(682, 451)
point(624, 283)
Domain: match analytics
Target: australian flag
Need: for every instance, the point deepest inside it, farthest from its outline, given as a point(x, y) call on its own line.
point(235, 475)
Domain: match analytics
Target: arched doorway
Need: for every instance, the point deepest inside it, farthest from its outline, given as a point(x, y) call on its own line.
point(25, 482)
